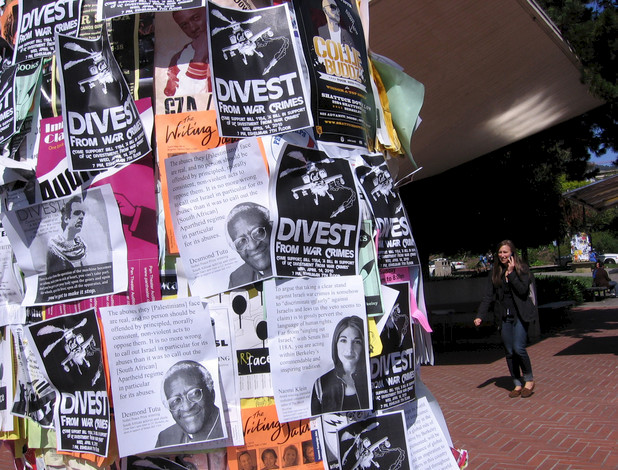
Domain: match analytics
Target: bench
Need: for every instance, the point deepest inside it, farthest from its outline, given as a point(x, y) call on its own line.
point(597, 292)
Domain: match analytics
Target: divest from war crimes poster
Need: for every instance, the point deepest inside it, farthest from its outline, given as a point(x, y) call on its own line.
point(101, 122)
point(256, 72)
point(7, 105)
point(41, 21)
point(69, 348)
point(392, 371)
point(396, 246)
point(341, 95)
point(318, 217)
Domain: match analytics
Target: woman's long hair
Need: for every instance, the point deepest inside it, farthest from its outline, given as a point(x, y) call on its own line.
point(498, 270)
point(357, 324)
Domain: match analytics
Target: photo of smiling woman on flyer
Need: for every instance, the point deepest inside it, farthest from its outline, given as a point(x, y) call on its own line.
point(344, 388)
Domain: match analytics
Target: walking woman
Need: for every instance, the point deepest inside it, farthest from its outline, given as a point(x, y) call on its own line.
point(508, 289)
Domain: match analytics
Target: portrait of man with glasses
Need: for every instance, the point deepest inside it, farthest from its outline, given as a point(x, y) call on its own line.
point(188, 392)
point(249, 228)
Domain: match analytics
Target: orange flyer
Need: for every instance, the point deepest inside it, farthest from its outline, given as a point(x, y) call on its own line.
point(179, 134)
point(270, 444)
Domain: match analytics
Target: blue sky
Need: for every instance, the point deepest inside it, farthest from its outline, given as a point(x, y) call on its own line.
point(606, 159)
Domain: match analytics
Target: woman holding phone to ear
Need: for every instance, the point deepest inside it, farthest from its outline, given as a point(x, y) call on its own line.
point(508, 289)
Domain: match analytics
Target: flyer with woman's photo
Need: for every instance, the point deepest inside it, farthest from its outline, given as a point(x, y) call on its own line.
point(318, 345)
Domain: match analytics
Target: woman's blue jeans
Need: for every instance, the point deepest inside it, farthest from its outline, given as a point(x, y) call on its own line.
point(514, 338)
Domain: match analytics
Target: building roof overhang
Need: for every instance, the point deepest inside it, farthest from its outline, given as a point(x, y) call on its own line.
point(494, 73)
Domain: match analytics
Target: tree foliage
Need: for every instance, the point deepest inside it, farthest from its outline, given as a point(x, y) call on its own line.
point(591, 28)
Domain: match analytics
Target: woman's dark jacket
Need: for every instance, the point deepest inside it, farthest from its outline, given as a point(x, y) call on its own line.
point(328, 392)
point(520, 289)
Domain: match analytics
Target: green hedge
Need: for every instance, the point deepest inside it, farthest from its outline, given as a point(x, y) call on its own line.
point(557, 288)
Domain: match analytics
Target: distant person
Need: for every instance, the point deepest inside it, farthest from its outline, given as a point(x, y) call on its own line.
point(269, 459)
point(333, 29)
point(344, 388)
point(188, 72)
point(249, 227)
point(67, 250)
point(508, 289)
point(188, 392)
point(600, 278)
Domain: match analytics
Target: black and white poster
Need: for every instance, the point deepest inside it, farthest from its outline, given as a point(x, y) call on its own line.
point(164, 375)
point(102, 126)
point(6, 380)
point(341, 96)
point(39, 22)
point(69, 350)
point(70, 248)
point(7, 103)
point(319, 346)
point(34, 396)
point(376, 442)
point(396, 246)
point(318, 216)
point(392, 371)
point(256, 72)
point(113, 8)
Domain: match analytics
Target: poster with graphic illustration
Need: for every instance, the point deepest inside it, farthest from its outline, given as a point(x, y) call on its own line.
point(68, 348)
point(256, 72)
point(376, 442)
point(102, 125)
point(342, 100)
point(317, 220)
point(392, 371)
point(396, 246)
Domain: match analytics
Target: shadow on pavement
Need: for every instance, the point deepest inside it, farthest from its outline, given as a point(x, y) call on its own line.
point(503, 382)
point(471, 345)
point(591, 345)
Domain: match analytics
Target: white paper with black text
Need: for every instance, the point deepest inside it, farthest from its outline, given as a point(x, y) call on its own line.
point(6, 380)
point(219, 204)
point(319, 345)
point(251, 352)
point(225, 342)
point(148, 341)
point(429, 449)
point(11, 290)
point(70, 248)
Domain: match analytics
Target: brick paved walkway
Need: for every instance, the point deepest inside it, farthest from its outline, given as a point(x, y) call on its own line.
point(570, 422)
